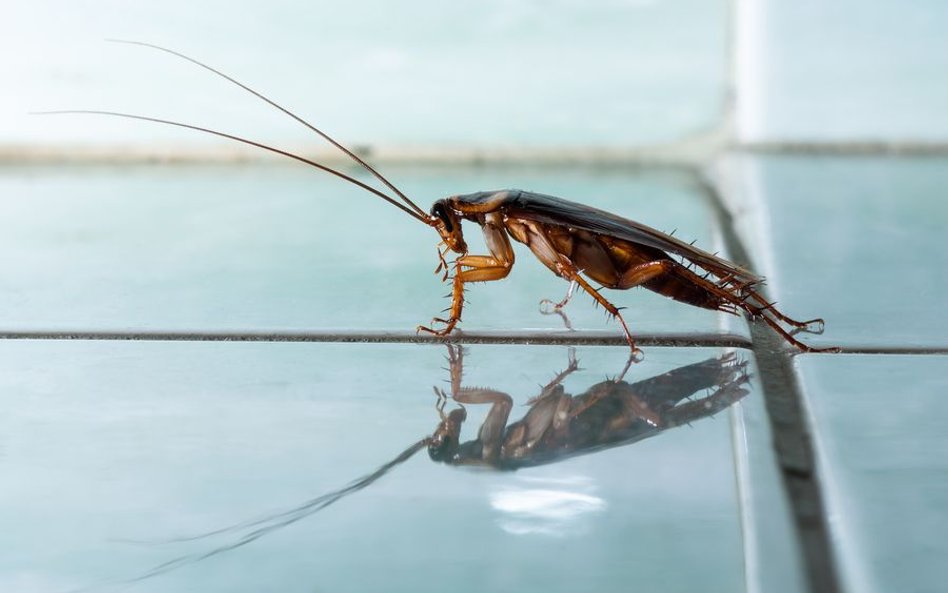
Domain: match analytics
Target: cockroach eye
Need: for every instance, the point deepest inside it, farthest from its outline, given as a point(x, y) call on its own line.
point(439, 210)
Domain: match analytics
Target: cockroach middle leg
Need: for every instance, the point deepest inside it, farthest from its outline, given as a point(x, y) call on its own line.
point(574, 276)
point(566, 322)
point(548, 307)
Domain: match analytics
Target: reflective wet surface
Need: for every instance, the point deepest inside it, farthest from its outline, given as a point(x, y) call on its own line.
point(105, 442)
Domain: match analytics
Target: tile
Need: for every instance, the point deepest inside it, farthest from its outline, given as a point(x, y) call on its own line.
point(850, 71)
point(857, 241)
point(495, 74)
point(104, 442)
point(280, 248)
point(880, 438)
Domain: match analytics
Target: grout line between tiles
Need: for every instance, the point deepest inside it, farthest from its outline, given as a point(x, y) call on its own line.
point(896, 350)
point(847, 148)
point(790, 431)
point(685, 153)
point(794, 446)
point(580, 338)
point(586, 338)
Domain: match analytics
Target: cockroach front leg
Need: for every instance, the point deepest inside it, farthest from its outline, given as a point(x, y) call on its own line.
point(477, 268)
point(457, 305)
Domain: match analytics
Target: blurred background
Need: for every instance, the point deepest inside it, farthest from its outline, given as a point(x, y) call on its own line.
point(561, 74)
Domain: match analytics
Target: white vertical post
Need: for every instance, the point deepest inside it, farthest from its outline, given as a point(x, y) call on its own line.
point(749, 49)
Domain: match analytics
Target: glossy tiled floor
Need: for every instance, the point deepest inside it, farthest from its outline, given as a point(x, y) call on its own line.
point(102, 442)
point(150, 440)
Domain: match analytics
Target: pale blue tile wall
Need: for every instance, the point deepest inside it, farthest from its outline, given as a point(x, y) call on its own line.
point(422, 72)
point(850, 70)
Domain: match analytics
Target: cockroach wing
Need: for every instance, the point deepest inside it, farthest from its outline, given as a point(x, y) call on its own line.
point(552, 210)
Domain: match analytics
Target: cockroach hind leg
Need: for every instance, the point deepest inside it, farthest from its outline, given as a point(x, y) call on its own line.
point(828, 350)
point(773, 323)
point(813, 326)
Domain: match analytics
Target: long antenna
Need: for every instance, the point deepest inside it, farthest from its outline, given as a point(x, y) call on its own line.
point(326, 136)
point(339, 174)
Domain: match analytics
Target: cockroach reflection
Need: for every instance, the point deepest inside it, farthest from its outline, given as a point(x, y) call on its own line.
point(581, 244)
point(556, 427)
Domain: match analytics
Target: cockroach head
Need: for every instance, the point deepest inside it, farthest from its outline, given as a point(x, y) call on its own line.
point(448, 224)
point(443, 444)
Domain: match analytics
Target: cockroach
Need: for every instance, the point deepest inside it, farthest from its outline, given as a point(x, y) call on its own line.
point(578, 243)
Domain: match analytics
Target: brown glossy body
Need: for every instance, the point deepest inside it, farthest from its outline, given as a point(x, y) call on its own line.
point(577, 242)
